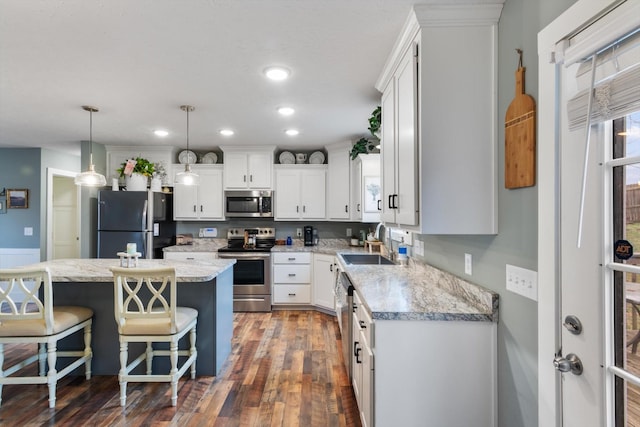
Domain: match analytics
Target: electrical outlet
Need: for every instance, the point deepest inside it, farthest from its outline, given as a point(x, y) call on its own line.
point(28, 231)
point(418, 247)
point(299, 232)
point(467, 264)
point(522, 281)
point(349, 233)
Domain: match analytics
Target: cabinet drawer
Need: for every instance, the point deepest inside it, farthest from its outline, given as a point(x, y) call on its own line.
point(366, 325)
point(291, 274)
point(291, 257)
point(191, 256)
point(291, 294)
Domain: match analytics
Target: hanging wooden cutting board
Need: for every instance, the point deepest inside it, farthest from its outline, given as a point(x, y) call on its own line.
point(520, 137)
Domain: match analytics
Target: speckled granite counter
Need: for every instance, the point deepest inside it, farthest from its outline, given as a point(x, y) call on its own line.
point(392, 292)
point(97, 270)
point(199, 245)
point(205, 286)
point(420, 292)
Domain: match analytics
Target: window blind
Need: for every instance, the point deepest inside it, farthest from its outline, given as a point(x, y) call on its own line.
point(616, 91)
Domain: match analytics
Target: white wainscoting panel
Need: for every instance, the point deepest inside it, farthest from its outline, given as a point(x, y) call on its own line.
point(14, 257)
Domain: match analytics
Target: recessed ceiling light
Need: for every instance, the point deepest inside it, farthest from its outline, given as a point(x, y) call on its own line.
point(286, 111)
point(226, 132)
point(276, 73)
point(160, 132)
point(291, 132)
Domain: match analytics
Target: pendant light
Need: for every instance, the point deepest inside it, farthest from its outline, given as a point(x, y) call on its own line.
point(187, 177)
point(90, 178)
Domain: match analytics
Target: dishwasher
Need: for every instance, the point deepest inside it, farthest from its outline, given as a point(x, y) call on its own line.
point(343, 292)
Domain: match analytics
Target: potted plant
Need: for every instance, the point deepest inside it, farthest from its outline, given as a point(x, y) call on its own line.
point(362, 145)
point(136, 173)
point(374, 122)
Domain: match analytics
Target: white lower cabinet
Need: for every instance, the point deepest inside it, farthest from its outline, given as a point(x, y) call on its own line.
point(363, 367)
point(291, 277)
point(424, 372)
point(191, 256)
point(324, 267)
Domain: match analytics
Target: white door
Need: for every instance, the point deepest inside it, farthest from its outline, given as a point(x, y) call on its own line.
point(63, 215)
point(581, 216)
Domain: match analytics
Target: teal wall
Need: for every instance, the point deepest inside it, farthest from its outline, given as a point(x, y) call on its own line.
point(516, 242)
point(27, 168)
point(20, 168)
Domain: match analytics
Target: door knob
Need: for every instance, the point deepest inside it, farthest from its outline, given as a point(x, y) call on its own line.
point(571, 363)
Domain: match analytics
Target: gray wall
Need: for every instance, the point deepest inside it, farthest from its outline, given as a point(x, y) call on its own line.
point(20, 168)
point(516, 242)
point(27, 168)
point(326, 230)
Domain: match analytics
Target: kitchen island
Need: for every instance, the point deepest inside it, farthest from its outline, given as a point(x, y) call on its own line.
point(205, 286)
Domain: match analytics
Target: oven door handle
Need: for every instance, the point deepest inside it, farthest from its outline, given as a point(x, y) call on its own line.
point(243, 255)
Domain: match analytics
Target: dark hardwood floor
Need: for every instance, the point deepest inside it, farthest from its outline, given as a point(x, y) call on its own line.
point(285, 369)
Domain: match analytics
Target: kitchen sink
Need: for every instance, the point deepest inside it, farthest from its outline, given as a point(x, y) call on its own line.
point(366, 259)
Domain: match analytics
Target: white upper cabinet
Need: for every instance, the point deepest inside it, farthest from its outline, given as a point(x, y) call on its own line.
point(248, 167)
point(338, 187)
point(200, 202)
point(300, 192)
point(439, 121)
point(366, 188)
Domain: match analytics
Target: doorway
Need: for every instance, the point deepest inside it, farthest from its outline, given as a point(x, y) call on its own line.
point(584, 167)
point(63, 215)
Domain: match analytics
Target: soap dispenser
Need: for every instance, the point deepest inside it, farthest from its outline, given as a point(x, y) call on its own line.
point(403, 259)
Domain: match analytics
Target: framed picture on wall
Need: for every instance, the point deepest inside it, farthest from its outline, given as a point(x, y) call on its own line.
point(18, 199)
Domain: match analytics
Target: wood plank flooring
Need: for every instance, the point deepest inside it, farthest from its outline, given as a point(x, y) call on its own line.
point(285, 369)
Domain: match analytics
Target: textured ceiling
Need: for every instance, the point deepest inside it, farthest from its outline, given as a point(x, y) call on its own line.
point(138, 61)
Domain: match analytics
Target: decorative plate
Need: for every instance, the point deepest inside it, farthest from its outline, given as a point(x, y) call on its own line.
point(287, 158)
point(316, 158)
point(210, 158)
point(187, 155)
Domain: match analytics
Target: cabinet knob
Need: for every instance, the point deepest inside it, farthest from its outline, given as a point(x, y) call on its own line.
point(346, 208)
point(292, 295)
point(362, 324)
point(292, 274)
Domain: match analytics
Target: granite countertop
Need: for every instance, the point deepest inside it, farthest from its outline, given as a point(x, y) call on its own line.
point(392, 292)
point(97, 270)
point(420, 292)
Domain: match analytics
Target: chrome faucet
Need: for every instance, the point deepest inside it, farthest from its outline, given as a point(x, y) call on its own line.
point(378, 230)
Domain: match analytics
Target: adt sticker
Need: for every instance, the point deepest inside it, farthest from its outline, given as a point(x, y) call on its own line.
point(623, 249)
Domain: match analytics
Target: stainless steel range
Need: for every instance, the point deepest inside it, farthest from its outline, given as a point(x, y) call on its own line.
point(251, 248)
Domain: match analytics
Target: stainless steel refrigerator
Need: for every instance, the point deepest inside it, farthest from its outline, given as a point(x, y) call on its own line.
point(141, 217)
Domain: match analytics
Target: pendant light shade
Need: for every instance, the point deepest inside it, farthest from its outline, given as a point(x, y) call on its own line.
point(187, 177)
point(90, 178)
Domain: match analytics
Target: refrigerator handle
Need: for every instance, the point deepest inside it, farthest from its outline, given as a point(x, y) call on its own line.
point(144, 216)
point(148, 245)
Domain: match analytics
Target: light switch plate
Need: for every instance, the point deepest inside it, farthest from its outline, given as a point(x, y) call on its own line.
point(28, 231)
point(418, 247)
point(468, 264)
point(522, 281)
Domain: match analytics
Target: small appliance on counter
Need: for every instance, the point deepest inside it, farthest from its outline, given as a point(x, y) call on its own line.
point(184, 239)
point(308, 235)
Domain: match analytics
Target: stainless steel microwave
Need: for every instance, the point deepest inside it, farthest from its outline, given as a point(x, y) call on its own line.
point(248, 204)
